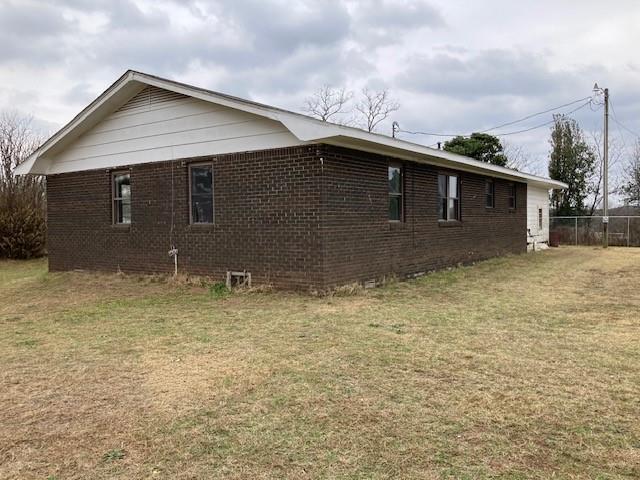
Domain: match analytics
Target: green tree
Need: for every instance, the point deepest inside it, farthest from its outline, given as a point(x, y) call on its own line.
point(573, 161)
point(631, 183)
point(481, 146)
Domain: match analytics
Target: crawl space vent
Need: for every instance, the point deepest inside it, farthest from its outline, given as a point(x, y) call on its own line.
point(238, 279)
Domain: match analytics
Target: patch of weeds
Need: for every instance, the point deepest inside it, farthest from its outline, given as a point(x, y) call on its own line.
point(375, 325)
point(29, 342)
point(219, 290)
point(348, 290)
point(113, 455)
point(397, 328)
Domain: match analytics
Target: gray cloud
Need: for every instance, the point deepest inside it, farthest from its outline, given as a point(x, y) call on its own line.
point(16, 18)
point(490, 72)
point(286, 26)
point(452, 69)
point(384, 23)
point(30, 33)
point(81, 93)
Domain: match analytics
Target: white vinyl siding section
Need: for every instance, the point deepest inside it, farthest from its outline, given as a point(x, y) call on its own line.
point(537, 198)
point(158, 125)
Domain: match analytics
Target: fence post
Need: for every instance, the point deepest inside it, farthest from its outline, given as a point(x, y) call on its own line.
point(628, 231)
point(576, 219)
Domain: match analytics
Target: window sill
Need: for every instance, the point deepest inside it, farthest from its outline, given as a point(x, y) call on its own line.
point(123, 227)
point(201, 226)
point(449, 223)
point(396, 224)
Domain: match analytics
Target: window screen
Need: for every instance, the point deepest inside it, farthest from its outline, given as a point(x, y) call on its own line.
point(201, 192)
point(490, 194)
point(395, 193)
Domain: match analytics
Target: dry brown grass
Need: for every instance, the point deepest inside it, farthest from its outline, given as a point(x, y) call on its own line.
point(522, 367)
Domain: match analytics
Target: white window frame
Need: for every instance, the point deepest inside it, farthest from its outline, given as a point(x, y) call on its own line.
point(115, 199)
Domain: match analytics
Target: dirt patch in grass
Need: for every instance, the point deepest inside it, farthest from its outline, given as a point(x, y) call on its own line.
point(519, 367)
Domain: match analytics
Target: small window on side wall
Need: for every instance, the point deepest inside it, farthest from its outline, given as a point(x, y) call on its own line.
point(201, 193)
point(490, 194)
point(395, 193)
point(512, 196)
point(448, 197)
point(539, 219)
point(121, 194)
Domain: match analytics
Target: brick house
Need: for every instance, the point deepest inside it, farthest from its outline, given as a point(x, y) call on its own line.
point(154, 165)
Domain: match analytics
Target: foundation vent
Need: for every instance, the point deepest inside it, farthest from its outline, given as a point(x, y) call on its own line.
point(238, 279)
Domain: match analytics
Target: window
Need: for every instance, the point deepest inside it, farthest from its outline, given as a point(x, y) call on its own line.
point(201, 193)
point(539, 219)
point(512, 196)
point(490, 194)
point(395, 193)
point(448, 197)
point(121, 194)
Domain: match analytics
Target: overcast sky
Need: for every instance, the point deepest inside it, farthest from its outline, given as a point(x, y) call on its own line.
point(454, 66)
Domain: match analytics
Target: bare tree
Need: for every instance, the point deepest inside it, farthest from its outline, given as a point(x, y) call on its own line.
point(326, 103)
point(22, 198)
point(17, 141)
point(630, 188)
point(375, 106)
point(597, 178)
point(519, 159)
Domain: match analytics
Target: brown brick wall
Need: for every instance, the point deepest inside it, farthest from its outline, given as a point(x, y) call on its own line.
point(266, 219)
point(360, 243)
point(285, 215)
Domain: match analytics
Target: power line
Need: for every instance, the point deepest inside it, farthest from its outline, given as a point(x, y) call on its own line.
point(588, 102)
point(615, 119)
point(613, 116)
point(543, 124)
point(535, 115)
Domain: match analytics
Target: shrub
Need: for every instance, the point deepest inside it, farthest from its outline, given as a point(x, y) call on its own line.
point(219, 290)
point(22, 198)
point(22, 222)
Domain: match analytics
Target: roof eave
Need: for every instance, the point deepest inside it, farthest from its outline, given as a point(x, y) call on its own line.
point(301, 126)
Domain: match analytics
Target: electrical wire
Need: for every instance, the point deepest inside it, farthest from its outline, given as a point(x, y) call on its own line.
point(536, 114)
point(543, 124)
point(615, 119)
point(589, 101)
point(613, 116)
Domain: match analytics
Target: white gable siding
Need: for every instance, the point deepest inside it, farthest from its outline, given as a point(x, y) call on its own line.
point(158, 125)
point(537, 198)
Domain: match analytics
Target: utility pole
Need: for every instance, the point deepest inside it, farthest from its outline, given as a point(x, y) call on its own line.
point(605, 167)
point(605, 213)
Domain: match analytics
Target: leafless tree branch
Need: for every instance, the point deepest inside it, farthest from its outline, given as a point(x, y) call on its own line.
point(328, 103)
point(375, 107)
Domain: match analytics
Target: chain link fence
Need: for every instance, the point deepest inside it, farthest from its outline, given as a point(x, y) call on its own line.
point(624, 231)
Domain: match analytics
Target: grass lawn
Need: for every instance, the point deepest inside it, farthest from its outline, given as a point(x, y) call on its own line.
point(520, 367)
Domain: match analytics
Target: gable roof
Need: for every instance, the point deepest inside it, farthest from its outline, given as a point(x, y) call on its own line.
point(303, 127)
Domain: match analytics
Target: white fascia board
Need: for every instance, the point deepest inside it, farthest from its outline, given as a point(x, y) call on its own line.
point(309, 129)
point(109, 100)
point(26, 167)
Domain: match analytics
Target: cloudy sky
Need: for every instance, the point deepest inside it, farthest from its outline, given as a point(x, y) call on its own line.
point(455, 66)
